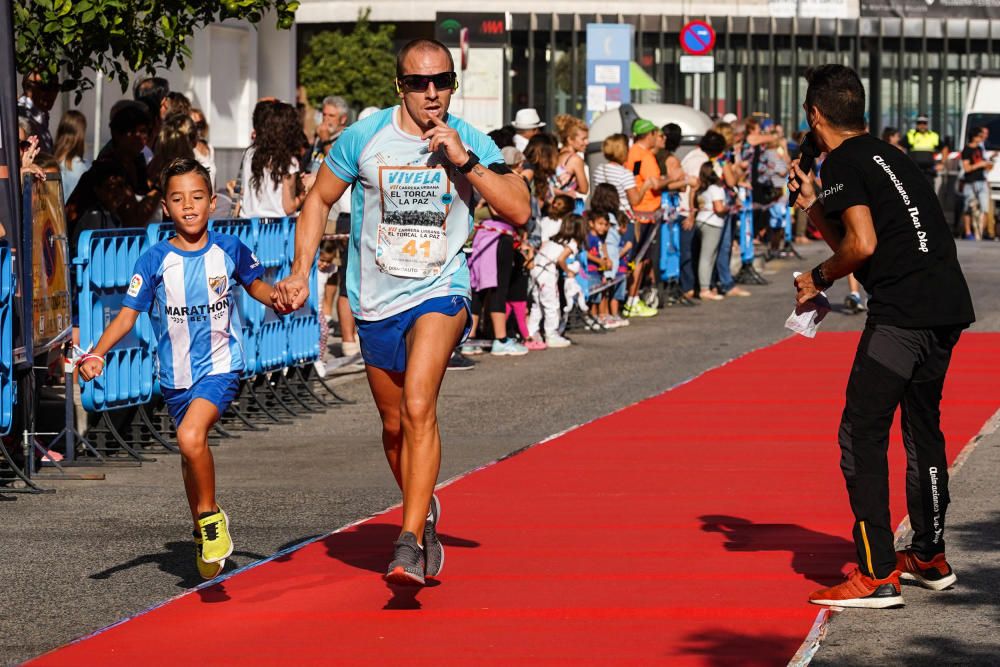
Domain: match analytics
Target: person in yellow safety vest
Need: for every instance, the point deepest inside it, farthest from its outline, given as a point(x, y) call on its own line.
point(923, 143)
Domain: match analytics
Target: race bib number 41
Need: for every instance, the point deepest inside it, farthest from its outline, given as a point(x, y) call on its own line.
point(412, 242)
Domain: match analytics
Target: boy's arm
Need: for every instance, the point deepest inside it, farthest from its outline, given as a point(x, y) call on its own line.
point(116, 330)
point(261, 291)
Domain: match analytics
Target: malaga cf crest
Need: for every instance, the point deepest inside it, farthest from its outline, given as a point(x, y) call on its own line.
point(218, 285)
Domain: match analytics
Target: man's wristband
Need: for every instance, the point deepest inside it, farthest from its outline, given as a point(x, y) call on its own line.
point(819, 278)
point(470, 164)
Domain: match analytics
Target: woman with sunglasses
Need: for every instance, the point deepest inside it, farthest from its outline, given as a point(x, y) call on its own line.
point(414, 168)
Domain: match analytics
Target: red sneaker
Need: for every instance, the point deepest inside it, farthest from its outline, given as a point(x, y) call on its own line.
point(934, 574)
point(862, 591)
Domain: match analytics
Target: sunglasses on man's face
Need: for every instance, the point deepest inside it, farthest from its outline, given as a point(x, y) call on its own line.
point(418, 83)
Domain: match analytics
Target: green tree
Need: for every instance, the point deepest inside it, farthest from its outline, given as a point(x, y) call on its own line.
point(70, 37)
point(359, 65)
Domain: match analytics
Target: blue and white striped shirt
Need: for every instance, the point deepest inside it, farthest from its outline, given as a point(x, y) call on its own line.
point(199, 326)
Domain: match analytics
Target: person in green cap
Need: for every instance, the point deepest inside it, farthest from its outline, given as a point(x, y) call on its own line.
point(647, 138)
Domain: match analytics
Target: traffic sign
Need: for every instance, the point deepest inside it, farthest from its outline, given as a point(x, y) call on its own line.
point(697, 38)
point(697, 64)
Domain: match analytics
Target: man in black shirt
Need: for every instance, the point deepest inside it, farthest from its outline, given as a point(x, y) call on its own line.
point(975, 188)
point(885, 225)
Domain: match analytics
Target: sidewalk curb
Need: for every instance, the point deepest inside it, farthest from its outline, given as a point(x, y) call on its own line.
point(811, 644)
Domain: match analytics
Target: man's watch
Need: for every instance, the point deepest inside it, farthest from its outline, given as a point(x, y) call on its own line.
point(470, 164)
point(819, 278)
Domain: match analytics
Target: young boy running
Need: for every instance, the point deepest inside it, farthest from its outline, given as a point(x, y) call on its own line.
point(189, 279)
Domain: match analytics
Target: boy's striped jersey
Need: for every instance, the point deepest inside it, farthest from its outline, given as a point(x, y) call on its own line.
point(199, 329)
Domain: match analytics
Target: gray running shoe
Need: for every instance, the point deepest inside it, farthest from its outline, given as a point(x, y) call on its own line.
point(407, 566)
point(433, 549)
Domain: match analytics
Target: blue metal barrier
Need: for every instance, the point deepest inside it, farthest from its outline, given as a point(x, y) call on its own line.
point(746, 227)
point(272, 333)
point(8, 393)
point(104, 264)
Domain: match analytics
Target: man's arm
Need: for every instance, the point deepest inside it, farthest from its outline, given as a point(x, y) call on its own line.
point(291, 293)
point(506, 193)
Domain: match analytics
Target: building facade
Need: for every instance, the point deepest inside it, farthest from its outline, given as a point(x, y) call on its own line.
point(914, 57)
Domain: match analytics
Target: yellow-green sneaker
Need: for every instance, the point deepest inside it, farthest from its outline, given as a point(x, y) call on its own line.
point(206, 570)
point(216, 544)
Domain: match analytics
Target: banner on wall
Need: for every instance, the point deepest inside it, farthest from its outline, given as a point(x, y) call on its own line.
point(966, 9)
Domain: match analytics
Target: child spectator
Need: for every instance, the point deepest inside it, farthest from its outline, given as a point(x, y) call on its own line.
point(189, 279)
point(572, 237)
point(517, 293)
point(606, 201)
point(597, 263)
point(708, 202)
point(545, 275)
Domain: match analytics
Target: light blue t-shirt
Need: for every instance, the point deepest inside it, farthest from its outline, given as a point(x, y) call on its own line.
point(411, 215)
point(199, 326)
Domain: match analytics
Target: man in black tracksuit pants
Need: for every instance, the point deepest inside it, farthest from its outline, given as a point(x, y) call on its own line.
point(887, 227)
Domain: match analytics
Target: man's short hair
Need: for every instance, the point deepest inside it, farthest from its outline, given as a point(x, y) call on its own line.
point(128, 116)
point(975, 132)
point(421, 44)
point(839, 95)
point(179, 167)
point(712, 143)
point(337, 102)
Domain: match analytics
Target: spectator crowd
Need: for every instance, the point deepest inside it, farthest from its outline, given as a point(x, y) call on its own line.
point(649, 224)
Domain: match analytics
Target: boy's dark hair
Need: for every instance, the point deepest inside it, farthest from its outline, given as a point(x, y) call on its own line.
point(672, 136)
point(421, 44)
point(594, 215)
point(839, 95)
point(975, 132)
point(605, 199)
point(328, 246)
point(181, 166)
point(712, 143)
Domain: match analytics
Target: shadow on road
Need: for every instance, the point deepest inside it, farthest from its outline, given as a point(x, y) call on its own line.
point(368, 546)
point(724, 648)
point(818, 557)
point(177, 559)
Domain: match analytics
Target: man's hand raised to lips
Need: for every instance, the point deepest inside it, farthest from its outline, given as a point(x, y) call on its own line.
point(445, 137)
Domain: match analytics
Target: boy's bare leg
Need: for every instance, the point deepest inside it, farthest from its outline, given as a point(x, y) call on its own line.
point(197, 464)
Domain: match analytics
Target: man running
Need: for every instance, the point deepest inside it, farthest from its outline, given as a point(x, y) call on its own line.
point(885, 225)
point(414, 168)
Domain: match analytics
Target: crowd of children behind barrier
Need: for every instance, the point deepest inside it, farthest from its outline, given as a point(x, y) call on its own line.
point(589, 259)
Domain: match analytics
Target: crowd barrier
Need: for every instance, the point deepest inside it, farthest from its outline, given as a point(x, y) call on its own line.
point(8, 393)
point(279, 382)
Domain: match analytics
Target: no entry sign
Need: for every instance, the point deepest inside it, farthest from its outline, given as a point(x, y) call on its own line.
point(697, 38)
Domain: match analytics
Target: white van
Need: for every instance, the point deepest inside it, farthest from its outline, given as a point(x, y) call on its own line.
point(982, 109)
point(693, 123)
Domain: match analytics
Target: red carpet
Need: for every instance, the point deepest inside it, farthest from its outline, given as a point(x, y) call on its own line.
point(687, 529)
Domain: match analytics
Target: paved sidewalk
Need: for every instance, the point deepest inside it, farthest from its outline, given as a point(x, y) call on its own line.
point(953, 627)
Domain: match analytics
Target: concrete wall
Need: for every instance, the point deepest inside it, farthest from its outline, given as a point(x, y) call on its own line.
point(232, 65)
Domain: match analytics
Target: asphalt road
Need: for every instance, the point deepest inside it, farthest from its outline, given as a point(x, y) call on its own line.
point(96, 552)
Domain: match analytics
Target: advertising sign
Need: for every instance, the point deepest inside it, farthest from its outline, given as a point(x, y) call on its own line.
point(973, 9)
point(609, 54)
point(50, 293)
